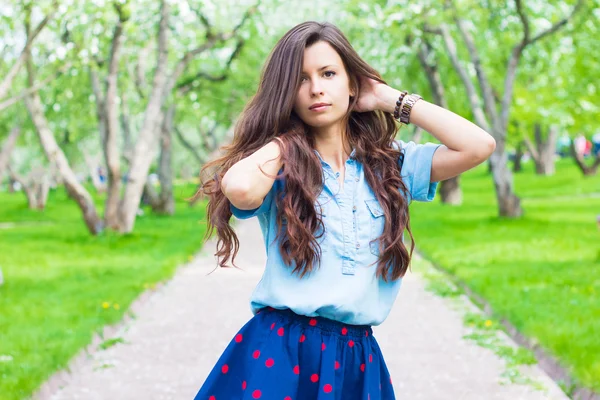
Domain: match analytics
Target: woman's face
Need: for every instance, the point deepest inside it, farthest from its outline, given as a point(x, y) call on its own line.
point(323, 80)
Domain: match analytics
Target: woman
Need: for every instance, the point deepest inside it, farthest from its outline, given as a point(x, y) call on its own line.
point(315, 160)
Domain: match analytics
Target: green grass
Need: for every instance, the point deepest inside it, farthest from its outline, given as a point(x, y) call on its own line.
point(541, 272)
point(62, 284)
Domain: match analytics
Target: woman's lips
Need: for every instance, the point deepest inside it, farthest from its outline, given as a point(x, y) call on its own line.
point(319, 108)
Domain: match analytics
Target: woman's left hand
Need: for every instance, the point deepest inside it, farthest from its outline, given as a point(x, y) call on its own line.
point(369, 98)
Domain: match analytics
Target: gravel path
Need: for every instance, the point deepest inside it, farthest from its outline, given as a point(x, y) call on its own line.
point(181, 328)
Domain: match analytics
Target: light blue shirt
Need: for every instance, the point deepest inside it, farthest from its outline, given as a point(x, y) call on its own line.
point(343, 287)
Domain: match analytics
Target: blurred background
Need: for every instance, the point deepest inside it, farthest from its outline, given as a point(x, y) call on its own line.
point(108, 110)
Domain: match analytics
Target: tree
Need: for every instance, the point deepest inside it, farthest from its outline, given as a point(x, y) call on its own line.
point(485, 107)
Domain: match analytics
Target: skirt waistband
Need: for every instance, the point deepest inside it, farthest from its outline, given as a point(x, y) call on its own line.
point(321, 323)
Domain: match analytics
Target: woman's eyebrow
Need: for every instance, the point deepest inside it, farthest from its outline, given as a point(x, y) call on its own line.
point(322, 68)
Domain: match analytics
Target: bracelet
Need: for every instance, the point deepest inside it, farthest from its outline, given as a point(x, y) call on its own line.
point(398, 104)
point(407, 107)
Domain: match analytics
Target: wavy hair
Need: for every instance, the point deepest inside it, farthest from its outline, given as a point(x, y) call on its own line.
point(269, 115)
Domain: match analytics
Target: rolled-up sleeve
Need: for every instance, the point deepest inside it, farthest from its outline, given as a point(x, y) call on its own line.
point(416, 169)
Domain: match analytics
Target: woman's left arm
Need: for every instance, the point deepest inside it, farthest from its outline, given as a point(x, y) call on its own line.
point(465, 145)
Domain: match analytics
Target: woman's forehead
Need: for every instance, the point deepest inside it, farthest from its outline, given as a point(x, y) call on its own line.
point(320, 55)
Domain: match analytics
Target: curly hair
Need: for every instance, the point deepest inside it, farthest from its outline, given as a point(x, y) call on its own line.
point(269, 115)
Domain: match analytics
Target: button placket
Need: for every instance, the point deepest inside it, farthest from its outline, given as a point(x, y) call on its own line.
point(352, 250)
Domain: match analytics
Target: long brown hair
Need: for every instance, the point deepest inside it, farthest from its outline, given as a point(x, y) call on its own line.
point(270, 114)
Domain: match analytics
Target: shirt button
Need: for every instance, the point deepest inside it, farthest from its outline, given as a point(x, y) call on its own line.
point(354, 208)
point(357, 245)
point(356, 179)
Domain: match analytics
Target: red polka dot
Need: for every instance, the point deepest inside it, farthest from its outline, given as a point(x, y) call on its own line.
point(269, 363)
point(312, 322)
point(314, 377)
point(256, 354)
point(327, 388)
point(337, 365)
point(244, 385)
point(238, 337)
point(302, 338)
point(272, 325)
point(296, 369)
point(280, 331)
point(287, 398)
point(366, 333)
point(344, 330)
point(362, 367)
point(212, 398)
point(370, 357)
point(225, 368)
point(256, 394)
point(323, 346)
point(351, 343)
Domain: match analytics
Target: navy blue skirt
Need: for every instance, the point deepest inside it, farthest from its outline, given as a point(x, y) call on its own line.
point(280, 355)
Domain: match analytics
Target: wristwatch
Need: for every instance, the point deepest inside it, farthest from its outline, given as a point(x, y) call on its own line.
point(408, 104)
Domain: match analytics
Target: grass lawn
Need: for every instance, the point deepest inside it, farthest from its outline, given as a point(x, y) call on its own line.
point(541, 272)
point(62, 284)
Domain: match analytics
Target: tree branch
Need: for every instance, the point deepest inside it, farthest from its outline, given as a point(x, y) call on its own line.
point(188, 145)
point(203, 19)
point(474, 100)
point(10, 76)
point(188, 83)
point(517, 51)
point(208, 44)
point(26, 92)
point(484, 83)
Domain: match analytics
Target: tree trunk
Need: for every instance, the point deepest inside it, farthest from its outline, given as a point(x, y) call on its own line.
point(36, 187)
point(517, 164)
point(588, 170)
point(509, 205)
point(417, 135)
point(94, 165)
point(543, 152)
point(111, 150)
point(57, 157)
point(450, 191)
point(165, 166)
point(7, 148)
point(143, 154)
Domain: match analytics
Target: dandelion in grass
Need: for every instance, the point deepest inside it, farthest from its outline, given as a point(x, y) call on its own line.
point(488, 323)
point(116, 306)
point(105, 305)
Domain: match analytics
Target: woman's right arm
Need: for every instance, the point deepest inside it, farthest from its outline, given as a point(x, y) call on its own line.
point(244, 184)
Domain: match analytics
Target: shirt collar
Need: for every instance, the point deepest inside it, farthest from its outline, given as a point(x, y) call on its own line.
point(323, 162)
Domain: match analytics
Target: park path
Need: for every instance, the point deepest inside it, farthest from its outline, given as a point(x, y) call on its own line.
point(181, 328)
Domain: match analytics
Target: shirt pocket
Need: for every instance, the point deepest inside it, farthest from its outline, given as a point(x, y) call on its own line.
point(376, 221)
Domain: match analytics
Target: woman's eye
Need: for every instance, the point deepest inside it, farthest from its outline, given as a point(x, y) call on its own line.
point(329, 72)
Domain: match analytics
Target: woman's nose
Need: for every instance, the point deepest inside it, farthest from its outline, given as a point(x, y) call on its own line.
point(316, 88)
